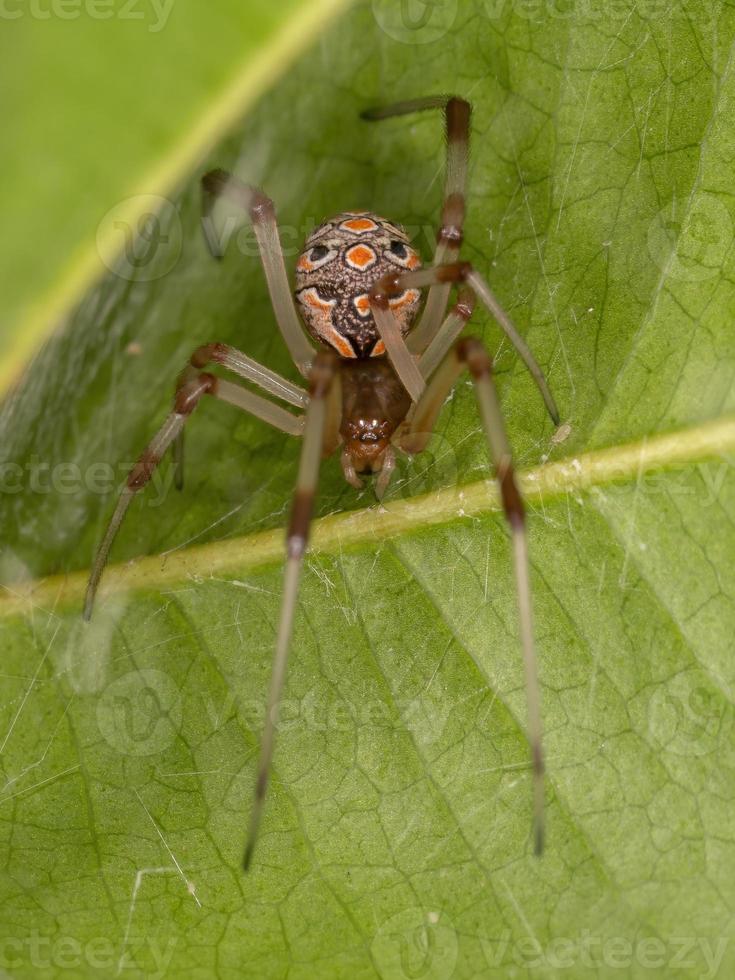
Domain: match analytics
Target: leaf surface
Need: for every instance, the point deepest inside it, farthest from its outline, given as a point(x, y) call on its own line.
point(396, 839)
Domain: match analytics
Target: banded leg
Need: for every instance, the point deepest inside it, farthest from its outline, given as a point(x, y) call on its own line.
point(449, 237)
point(219, 183)
point(187, 398)
point(463, 272)
point(243, 366)
point(471, 354)
point(448, 333)
point(316, 426)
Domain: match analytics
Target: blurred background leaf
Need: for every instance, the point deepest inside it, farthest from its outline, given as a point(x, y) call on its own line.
point(105, 101)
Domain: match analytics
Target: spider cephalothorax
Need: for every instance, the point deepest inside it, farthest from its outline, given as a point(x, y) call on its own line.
point(374, 403)
point(342, 258)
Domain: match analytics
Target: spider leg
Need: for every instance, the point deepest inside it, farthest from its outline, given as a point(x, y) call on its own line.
point(447, 334)
point(245, 367)
point(316, 426)
point(463, 272)
point(219, 183)
point(188, 396)
point(471, 354)
point(449, 237)
point(389, 330)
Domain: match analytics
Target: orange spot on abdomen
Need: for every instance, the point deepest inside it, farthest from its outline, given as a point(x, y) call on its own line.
point(361, 257)
point(405, 299)
point(359, 224)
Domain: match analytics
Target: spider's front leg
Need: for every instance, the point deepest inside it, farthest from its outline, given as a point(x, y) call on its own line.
point(475, 286)
point(470, 354)
point(320, 434)
point(219, 183)
point(457, 113)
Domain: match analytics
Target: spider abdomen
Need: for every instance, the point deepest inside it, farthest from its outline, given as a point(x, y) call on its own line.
point(341, 260)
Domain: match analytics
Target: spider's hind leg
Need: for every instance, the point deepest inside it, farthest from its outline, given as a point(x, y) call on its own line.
point(319, 434)
point(248, 369)
point(470, 353)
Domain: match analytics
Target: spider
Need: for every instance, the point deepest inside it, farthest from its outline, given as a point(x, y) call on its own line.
point(376, 383)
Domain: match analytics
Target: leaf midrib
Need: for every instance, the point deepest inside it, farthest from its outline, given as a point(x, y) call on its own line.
point(617, 464)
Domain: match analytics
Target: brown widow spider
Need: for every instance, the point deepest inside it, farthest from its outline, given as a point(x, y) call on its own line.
point(375, 383)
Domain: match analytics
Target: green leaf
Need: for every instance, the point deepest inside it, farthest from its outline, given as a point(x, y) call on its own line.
point(148, 87)
point(396, 837)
